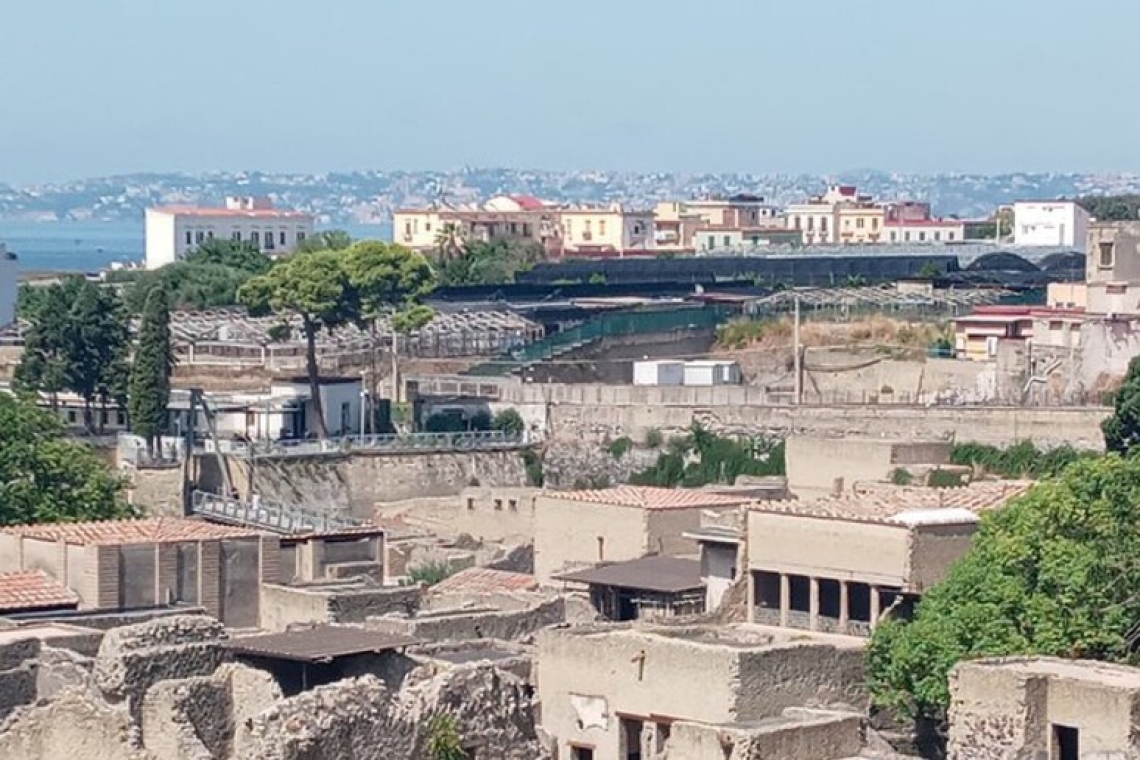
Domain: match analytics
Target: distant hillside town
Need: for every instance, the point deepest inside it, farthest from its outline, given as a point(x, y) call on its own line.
point(372, 196)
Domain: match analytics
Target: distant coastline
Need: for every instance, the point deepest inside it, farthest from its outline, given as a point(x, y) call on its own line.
point(89, 246)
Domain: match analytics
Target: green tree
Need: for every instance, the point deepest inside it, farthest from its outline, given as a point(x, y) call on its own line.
point(449, 242)
point(78, 341)
point(1055, 572)
point(508, 421)
point(47, 478)
point(1122, 429)
point(389, 279)
point(325, 240)
point(314, 288)
point(149, 394)
point(489, 263)
point(443, 738)
point(243, 255)
point(1112, 208)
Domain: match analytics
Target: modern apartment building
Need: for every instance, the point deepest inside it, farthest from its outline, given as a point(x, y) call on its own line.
point(924, 231)
point(174, 231)
point(1061, 224)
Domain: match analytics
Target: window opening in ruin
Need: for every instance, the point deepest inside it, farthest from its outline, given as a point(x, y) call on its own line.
point(859, 602)
point(631, 739)
point(470, 503)
point(498, 505)
point(767, 590)
point(1066, 743)
point(829, 598)
point(581, 753)
point(800, 593)
point(660, 736)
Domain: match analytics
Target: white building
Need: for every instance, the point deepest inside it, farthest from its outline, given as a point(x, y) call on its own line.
point(9, 284)
point(925, 231)
point(174, 231)
point(1050, 223)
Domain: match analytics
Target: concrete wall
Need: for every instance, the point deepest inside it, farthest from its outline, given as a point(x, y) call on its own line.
point(933, 549)
point(814, 463)
point(571, 533)
point(827, 548)
point(496, 514)
point(354, 484)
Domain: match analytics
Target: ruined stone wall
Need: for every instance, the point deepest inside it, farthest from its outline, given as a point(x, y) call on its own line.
point(189, 719)
point(797, 735)
point(355, 484)
point(459, 625)
point(18, 674)
point(74, 725)
point(807, 674)
point(156, 491)
point(283, 606)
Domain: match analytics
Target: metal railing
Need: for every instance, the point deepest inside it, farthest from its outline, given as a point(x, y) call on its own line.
point(407, 442)
point(266, 516)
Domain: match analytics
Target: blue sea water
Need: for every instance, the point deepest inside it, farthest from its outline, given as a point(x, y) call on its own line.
point(91, 246)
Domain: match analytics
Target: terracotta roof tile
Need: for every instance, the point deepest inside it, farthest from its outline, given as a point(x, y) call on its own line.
point(483, 580)
point(891, 504)
point(648, 497)
point(150, 530)
point(33, 590)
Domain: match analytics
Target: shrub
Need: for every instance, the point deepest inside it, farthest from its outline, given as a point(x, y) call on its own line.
point(620, 447)
point(901, 477)
point(944, 479)
point(653, 438)
point(509, 421)
point(430, 573)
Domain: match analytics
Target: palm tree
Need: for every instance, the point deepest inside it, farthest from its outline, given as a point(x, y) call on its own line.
point(449, 243)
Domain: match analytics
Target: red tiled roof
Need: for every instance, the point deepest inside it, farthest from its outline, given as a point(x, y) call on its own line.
point(647, 497)
point(152, 530)
point(485, 580)
point(527, 202)
point(33, 590)
point(255, 213)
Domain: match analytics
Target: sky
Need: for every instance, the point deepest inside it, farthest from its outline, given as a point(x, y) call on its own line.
point(97, 87)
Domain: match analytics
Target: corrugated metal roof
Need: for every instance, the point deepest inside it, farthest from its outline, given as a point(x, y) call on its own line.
point(667, 575)
point(319, 644)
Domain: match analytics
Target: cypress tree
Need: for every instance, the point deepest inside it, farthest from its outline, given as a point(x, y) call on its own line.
point(149, 392)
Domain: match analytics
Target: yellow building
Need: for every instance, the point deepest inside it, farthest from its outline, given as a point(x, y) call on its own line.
point(507, 217)
point(605, 230)
point(861, 223)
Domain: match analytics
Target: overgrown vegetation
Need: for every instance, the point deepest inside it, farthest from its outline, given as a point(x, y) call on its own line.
point(430, 573)
point(480, 263)
point(619, 447)
point(939, 478)
point(871, 331)
point(653, 438)
point(532, 461)
point(508, 421)
point(1022, 460)
point(1054, 572)
point(702, 457)
point(900, 476)
point(1122, 429)
point(443, 738)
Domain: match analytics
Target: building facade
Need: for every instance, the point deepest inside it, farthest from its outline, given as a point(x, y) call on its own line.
point(605, 231)
point(174, 231)
point(1054, 224)
point(1112, 268)
point(9, 285)
point(929, 231)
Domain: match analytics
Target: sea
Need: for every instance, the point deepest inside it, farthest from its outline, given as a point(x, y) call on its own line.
point(93, 246)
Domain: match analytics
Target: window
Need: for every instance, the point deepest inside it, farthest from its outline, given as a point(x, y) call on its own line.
point(498, 505)
point(906, 236)
point(189, 237)
point(470, 504)
point(829, 598)
point(281, 239)
point(569, 227)
point(823, 224)
point(846, 224)
point(727, 240)
point(937, 236)
point(922, 237)
point(810, 223)
point(210, 235)
point(513, 505)
point(950, 236)
point(797, 221)
point(71, 416)
point(1107, 255)
point(120, 419)
point(800, 588)
point(427, 226)
point(601, 226)
point(767, 590)
point(255, 237)
point(269, 246)
point(875, 223)
point(581, 753)
point(894, 236)
point(199, 236)
point(630, 739)
point(236, 236)
point(300, 236)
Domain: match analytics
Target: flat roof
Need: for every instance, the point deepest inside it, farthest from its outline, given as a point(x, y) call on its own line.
point(252, 213)
point(112, 532)
point(1104, 673)
point(649, 497)
point(669, 575)
point(320, 644)
point(904, 505)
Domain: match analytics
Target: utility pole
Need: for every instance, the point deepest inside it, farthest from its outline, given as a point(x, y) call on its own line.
point(363, 399)
point(395, 367)
point(798, 363)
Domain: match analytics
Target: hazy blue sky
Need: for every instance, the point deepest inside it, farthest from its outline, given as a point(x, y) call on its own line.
point(93, 87)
